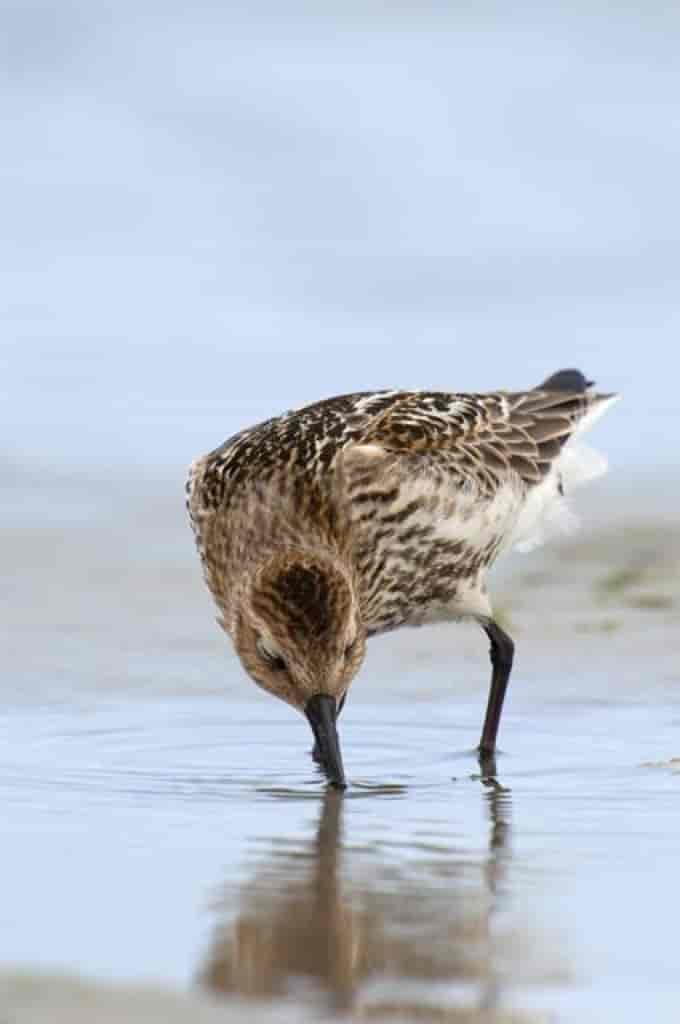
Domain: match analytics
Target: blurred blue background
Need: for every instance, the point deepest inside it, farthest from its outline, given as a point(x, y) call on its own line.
point(215, 212)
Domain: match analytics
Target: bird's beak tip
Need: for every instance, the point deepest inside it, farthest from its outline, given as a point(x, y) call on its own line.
point(321, 712)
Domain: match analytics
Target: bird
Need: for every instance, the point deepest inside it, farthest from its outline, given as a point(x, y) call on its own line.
point(362, 513)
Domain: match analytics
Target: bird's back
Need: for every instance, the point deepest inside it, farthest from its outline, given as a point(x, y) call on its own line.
point(426, 487)
point(302, 442)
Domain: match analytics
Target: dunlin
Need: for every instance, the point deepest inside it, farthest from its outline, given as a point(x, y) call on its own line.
point(362, 513)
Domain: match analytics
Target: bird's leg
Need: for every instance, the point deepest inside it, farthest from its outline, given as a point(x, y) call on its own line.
point(501, 651)
point(316, 753)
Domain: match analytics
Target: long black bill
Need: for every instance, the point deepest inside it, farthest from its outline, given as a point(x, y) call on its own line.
point(321, 711)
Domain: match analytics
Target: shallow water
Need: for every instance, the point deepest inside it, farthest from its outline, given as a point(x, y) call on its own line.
point(191, 842)
point(165, 830)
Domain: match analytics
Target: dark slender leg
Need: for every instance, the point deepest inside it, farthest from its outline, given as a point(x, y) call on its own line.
point(316, 754)
point(501, 651)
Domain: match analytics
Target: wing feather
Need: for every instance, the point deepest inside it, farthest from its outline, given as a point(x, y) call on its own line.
point(490, 436)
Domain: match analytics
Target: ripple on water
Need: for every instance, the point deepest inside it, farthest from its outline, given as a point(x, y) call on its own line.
point(236, 865)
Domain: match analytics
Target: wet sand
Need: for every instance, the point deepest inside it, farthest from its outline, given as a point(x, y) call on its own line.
point(169, 850)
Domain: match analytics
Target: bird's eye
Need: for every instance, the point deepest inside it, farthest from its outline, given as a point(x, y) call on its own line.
point(273, 658)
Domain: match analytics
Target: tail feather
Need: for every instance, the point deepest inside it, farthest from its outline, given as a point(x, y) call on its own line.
point(566, 380)
point(546, 512)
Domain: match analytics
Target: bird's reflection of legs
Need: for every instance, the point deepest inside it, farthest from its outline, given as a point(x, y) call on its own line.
point(499, 807)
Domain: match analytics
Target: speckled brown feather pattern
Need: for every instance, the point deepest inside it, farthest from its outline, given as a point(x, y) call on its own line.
point(413, 493)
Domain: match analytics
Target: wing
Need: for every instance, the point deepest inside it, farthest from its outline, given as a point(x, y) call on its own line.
point(493, 468)
point(482, 438)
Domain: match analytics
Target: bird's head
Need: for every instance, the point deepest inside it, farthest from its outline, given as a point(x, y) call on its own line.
point(299, 634)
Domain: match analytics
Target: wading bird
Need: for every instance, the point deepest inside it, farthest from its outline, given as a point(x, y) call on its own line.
point(362, 513)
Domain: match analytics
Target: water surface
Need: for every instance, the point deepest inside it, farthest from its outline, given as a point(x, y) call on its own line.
point(190, 842)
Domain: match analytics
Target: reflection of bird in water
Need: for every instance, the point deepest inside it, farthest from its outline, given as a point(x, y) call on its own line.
point(366, 512)
point(368, 932)
point(292, 925)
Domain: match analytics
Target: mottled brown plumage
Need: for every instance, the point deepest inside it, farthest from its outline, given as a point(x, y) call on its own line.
point(365, 512)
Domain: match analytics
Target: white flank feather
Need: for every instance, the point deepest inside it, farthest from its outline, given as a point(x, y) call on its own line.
point(546, 513)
